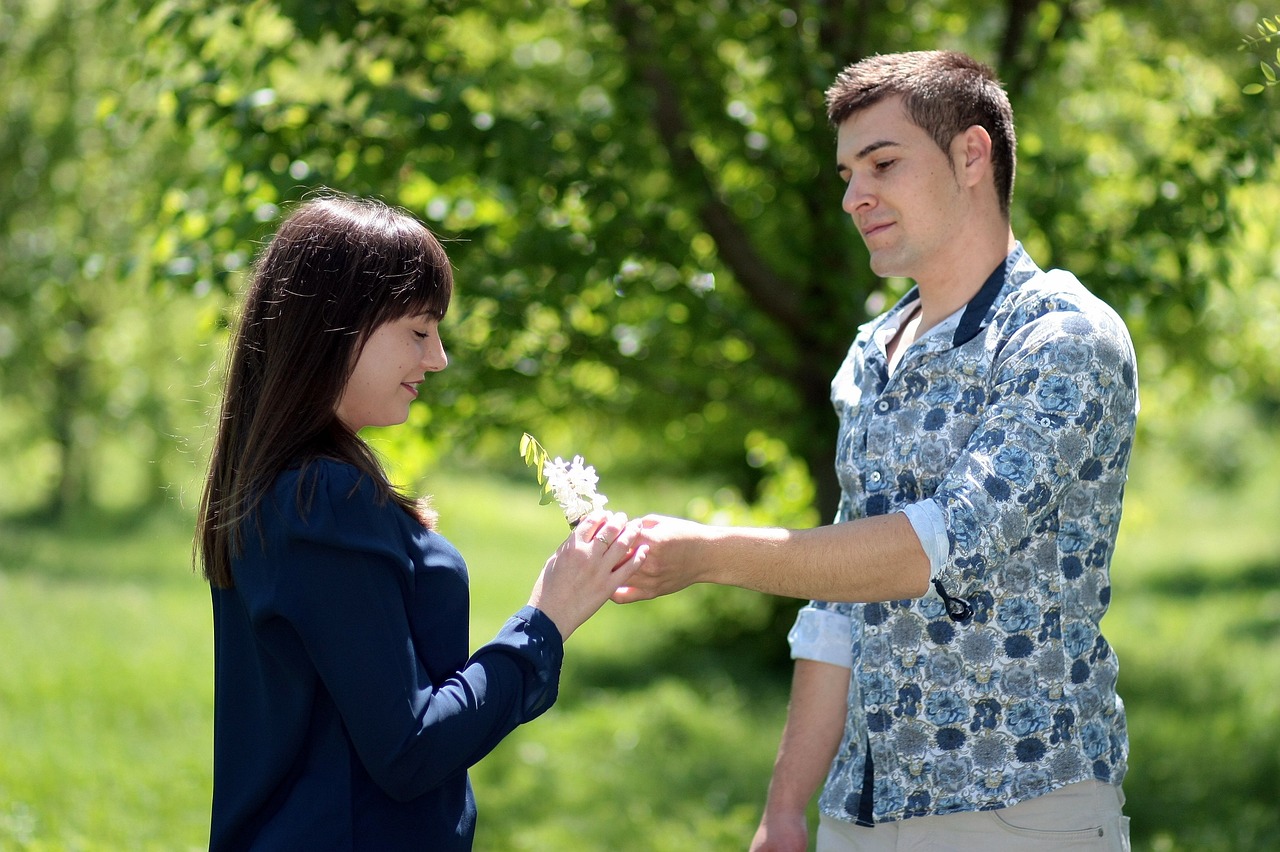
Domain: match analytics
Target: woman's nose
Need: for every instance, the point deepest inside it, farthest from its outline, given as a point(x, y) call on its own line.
point(434, 358)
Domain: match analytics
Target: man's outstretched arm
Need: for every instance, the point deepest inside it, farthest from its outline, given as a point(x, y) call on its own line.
point(870, 559)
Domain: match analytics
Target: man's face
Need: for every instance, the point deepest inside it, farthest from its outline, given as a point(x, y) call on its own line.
point(902, 191)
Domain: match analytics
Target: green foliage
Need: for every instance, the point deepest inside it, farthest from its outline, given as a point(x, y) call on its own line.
point(736, 619)
point(92, 336)
point(1134, 181)
point(652, 267)
point(1196, 625)
point(1268, 30)
point(639, 199)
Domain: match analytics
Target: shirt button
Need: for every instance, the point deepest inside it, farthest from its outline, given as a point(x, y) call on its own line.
point(875, 476)
point(882, 406)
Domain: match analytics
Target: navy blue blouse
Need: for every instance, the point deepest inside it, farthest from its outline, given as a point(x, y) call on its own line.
point(347, 710)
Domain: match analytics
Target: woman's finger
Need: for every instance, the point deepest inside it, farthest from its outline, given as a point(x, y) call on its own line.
point(622, 572)
point(607, 532)
point(587, 528)
point(624, 546)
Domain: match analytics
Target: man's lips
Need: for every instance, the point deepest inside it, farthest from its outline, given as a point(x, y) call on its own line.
point(878, 228)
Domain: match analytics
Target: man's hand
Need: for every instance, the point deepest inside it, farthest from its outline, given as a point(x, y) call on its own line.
point(671, 564)
point(781, 833)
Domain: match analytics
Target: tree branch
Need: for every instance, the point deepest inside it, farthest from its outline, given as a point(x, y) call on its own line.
point(840, 33)
point(1013, 69)
point(770, 292)
point(1015, 29)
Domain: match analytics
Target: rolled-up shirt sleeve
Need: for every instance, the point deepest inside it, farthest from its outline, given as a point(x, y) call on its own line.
point(1061, 426)
point(822, 633)
point(930, 524)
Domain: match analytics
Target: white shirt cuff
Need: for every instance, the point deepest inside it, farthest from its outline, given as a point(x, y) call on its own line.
point(822, 635)
point(931, 528)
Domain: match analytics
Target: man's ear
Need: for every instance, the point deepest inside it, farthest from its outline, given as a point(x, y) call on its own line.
point(971, 151)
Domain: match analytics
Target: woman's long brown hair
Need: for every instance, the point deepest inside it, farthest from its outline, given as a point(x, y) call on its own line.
point(337, 268)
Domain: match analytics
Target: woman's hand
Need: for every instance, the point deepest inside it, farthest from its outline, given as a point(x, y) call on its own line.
point(597, 557)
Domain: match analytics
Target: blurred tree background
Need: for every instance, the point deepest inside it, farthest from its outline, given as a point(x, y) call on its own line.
point(639, 198)
point(653, 267)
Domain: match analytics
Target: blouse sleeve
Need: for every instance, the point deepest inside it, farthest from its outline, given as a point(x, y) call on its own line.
point(338, 585)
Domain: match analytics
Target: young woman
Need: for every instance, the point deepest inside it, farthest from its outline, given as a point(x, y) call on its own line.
point(347, 709)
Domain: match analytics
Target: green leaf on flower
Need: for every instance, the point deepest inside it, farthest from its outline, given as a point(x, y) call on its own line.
point(535, 456)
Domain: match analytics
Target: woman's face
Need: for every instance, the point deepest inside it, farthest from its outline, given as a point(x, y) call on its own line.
point(395, 359)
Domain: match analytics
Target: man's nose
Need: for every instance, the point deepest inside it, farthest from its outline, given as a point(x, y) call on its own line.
point(855, 196)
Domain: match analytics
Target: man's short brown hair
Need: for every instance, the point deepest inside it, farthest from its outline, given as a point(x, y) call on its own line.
point(944, 93)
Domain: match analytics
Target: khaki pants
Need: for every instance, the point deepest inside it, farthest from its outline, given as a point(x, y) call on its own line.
point(1079, 816)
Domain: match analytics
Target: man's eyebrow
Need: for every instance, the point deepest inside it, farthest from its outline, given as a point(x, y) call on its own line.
point(873, 147)
point(868, 151)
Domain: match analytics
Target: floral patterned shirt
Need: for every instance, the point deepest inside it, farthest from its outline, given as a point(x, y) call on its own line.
point(1012, 423)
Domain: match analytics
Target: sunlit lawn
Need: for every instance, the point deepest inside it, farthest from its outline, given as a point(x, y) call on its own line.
point(106, 696)
point(1196, 624)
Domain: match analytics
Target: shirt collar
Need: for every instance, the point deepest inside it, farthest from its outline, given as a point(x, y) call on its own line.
point(976, 311)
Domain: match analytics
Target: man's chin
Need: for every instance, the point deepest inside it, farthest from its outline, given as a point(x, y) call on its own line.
point(885, 267)
point(890, 263)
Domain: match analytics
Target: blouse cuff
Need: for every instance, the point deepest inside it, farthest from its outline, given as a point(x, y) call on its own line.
point(542, 623)
point(822, 635)
point(532, 634)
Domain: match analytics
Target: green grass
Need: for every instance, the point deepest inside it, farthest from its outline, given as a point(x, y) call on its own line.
point(105, 694)
point(657, 743)
point(1196, 625)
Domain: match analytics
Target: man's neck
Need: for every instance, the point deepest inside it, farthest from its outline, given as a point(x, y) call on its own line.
point(961, 276)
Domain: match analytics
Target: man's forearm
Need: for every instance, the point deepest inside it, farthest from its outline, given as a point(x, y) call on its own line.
point(815, 724)
point(872, 559)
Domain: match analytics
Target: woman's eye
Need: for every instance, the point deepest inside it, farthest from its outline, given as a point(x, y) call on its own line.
point(884, 165)
point(421, 335)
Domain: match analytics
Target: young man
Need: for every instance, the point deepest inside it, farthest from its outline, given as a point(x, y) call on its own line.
point(951, 681)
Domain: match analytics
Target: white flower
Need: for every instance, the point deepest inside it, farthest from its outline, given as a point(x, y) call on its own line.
point(573, 485)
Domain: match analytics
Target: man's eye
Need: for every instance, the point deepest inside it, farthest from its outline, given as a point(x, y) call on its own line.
point(421, 335)
point(884, 165)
